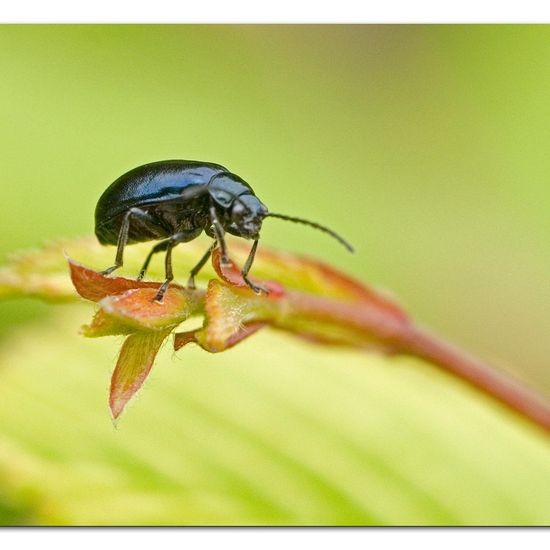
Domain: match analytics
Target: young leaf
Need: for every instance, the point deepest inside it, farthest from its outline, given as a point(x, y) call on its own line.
point(306, 298)
point(133, 365)
point(129, 307)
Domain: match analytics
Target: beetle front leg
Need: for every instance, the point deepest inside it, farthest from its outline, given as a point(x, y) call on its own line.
point(219, 232)
point(246, 268)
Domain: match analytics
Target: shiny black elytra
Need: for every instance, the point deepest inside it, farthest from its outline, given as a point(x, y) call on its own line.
point(176, 200)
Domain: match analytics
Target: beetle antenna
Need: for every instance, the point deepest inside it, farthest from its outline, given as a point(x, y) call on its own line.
point(332, 233)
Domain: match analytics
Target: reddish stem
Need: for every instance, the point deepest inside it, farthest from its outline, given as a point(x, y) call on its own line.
point(402, 336)
point(493, 382)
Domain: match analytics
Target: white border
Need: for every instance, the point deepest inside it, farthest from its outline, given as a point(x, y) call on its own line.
point(275, 539)
point(276, 11)
point(282, 11)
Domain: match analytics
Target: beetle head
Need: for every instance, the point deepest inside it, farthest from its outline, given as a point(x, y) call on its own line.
point(241, 212)
point(246, 217)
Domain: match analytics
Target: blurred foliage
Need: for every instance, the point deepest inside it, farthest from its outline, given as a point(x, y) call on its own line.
point(275, 432)
point(425, 145)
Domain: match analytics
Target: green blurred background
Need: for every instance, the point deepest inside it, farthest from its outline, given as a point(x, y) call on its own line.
point(426, 146)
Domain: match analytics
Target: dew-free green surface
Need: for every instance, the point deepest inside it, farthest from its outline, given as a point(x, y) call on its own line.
point(426, 146)
point(274, 431)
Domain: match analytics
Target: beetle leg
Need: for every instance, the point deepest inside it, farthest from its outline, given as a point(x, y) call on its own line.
point(219, 232)
point(169, 274)
point(169, 245)
point(163, 245)
point(123, 239)
point(246, 268)
point(157, 248)
point(199, 266)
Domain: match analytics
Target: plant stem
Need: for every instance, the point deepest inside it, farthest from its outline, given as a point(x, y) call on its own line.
point(502, 387)
point(401, 336)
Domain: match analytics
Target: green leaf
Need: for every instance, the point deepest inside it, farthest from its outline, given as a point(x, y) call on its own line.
point(274, 431)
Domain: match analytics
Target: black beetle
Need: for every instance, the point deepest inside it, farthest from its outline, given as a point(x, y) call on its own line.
point(176, 200)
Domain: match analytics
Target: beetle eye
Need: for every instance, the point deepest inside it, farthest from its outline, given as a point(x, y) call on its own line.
point(238, 210)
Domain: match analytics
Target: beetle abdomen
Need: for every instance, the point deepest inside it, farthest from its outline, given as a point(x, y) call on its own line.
point(143, 187)
point(140, 230)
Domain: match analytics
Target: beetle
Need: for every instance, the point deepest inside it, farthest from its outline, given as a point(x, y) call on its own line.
point(174, 201)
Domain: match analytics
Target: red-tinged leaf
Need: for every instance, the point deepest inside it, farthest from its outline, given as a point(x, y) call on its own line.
point(138, 308)
point(227, 311)
point(195, 336)
point(183, 338)
point(302, 273)
point(310, 300)
point(315, 318)
point(231, 274)
point(94, 286)
point(134, 363)
point(106, 325)
point(365, 322)
point(244, 332)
